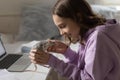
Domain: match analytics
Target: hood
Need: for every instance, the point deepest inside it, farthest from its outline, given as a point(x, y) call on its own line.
point(112, 30)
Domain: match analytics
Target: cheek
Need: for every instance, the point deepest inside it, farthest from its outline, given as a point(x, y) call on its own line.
point(74, 31)
point(62, 31)
point(65, 30)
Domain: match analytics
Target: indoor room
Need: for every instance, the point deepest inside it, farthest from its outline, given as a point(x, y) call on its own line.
point(28, 25)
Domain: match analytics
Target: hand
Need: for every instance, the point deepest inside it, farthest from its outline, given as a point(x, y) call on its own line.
point(39, 57)
point(58, 47)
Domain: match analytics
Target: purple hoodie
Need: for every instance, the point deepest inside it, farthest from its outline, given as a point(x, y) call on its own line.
point(98, 59)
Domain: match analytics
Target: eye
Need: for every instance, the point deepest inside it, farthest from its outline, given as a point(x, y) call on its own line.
point(62, 26)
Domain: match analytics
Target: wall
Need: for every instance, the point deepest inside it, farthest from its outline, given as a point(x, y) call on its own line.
point(14, 6)
point(10, 12)
point(105, 2)
point(10, 15)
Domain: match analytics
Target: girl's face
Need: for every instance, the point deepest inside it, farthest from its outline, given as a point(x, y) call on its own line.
point(67, 27)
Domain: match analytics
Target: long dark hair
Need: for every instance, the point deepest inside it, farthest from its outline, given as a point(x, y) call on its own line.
point(80, 12)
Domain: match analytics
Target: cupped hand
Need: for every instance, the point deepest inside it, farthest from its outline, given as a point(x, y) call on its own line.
point(58, 47)
point(39, 57)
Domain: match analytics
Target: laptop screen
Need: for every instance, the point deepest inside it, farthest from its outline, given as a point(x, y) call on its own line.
point(2, 49)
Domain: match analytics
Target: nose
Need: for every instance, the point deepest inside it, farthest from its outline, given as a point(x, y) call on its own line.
point(62, 32)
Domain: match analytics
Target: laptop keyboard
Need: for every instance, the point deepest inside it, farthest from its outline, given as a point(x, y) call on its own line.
point(8, 61)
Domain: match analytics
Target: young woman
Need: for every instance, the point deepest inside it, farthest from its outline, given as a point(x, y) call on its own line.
point(98, 57)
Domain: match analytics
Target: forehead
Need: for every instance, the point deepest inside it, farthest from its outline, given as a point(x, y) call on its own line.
point(56, 17)
point(59, 20)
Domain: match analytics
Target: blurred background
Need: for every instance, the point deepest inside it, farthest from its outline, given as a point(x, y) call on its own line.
point(27, 20)
point(23, 22)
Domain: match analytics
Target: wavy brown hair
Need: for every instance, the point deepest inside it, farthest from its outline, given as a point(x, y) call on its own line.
point(80, 12)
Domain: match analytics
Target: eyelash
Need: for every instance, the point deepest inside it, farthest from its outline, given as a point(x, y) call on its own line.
point(63, 26)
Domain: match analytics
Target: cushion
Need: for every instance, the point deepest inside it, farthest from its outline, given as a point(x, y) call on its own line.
point(107, 12)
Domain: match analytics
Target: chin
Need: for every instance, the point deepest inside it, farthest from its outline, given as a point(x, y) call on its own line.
point(71, 39)
point(74, 41)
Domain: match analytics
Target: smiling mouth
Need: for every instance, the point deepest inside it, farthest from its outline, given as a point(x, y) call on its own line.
point(69, 39)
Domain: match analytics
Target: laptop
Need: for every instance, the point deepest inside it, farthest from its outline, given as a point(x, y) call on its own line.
point(13, 62)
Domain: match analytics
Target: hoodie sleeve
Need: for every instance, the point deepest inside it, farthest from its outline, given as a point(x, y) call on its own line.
point(72, 56)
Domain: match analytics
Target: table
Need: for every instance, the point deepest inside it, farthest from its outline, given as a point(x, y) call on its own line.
point(41, 73)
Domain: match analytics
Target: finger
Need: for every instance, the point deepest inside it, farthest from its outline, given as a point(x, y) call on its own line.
point(41, 59)
point(54, 41)
point(51, 40)
point(59, 44)
point(49, 48)
point(39, 56)
point(41, 62)
point(34, 54)
point(43, 56)
point(31, 54)
point(36, 51)
point(33, 50)
point(57, 49)
point(38, 61)
point(33, 61)
point(32, 58)
point(60, 50)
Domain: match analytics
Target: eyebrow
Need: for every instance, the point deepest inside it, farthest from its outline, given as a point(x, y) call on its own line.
point(61, 24)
